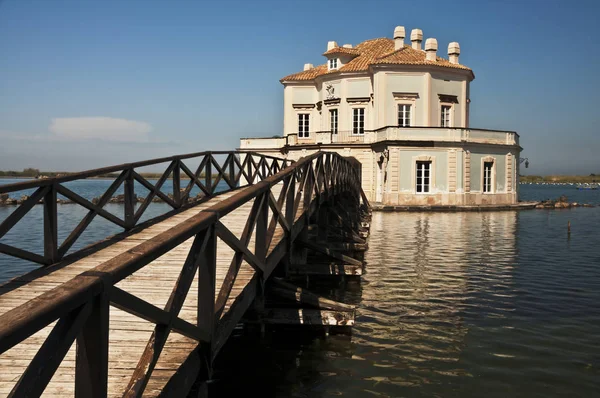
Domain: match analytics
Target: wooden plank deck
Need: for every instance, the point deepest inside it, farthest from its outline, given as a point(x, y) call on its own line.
point(128, 333)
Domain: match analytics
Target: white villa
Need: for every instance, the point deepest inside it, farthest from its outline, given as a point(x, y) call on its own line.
point(403, 112)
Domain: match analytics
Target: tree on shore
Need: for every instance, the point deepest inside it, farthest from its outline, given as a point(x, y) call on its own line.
point(30, 172)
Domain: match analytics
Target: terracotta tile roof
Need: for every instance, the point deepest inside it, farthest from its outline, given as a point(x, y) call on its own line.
point(375, 52)
point(342, 50)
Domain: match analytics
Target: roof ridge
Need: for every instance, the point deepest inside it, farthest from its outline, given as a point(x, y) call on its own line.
point(377, 51)
point(393, 52)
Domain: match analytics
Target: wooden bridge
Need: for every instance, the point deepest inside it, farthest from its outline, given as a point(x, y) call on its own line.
point(145, 312)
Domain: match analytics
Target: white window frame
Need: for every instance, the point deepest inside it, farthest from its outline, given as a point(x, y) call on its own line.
point(303, 125)
point(410, 113)
point(423, 176)
point(332, 63)
point(334, 123)
point(404, 98)
point(491, 177)
point(357, 131)
point(450, 114)
point(415, 161)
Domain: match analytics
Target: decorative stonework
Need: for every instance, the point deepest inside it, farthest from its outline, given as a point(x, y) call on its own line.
point(406, 96)
point(359, 100)
point(467, 172)
point(394, 170)
point(303, 106)
point(509, 172)
point(452, 171)
point(330, 91)
point(450, 99)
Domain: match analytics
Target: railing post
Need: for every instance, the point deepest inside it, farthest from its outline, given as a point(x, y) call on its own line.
point(206, 288)
point(177, 183)
point(262, 224)
point(232, 168)
point(263, 166)
point(91, 363)
point(249, 164)
point(260, 250)
point(129, 199)
point(50, 226)
point(289, 200)
point(208, 173)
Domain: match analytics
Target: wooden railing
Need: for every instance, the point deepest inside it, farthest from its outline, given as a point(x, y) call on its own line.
point(238, 169)
point(80, 307)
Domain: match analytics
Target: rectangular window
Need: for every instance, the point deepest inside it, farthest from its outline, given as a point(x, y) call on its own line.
point(445, 117)
point(403, 115)
point(423, 176)
point(333, 120)
point(303, 125)
point(358, 121)
point(333, 63)
point(487, 176)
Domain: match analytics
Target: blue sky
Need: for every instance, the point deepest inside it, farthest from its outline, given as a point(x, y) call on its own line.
point(186, 76)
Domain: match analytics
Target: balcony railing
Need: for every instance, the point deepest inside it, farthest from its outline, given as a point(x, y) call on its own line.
point(393, 133)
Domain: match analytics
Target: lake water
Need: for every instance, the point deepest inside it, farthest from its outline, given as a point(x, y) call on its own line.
point(498, 304)
point(28, 233)
point(492, 304)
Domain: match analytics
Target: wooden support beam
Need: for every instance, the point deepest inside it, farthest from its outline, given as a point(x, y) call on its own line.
point(232, 241)
point(206, 286)
point(89, 217)
point(23, 209)
point(24, 254)
point(129, 194)
point(136, 306)
point(208, 174)
point(180, 384)
point(43, 365)
point(348, 246)
point(91, 363)
point(299, 295)
point(90, 206)
point(324, 269)
point(177, 182)
point(306, 317)
point(330, 253)
point(157, 341)
point(228, 322)
point(194, 179)
point(50, 226)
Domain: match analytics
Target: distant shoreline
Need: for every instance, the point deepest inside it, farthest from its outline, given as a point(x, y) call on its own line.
point(563, 179)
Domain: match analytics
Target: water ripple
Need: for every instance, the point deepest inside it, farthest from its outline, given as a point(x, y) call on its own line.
point(463, 305)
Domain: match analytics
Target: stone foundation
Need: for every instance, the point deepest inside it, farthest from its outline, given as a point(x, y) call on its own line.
point(448, 199)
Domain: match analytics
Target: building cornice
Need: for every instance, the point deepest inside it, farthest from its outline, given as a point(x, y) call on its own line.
point(423, 69)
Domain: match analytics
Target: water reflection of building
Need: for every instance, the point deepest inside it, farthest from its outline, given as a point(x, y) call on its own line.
point(432, 277)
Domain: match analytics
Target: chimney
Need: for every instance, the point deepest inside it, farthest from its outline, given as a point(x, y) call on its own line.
point(453, 52)
point(416, 37)
point(331, 45)
point(431, 48)
point(308, 66)
point(347, 46)
point(399, 35)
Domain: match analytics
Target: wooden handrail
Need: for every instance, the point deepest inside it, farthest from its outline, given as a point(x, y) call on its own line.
point(303, 185)
point(49, 189)
point(20, 186)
